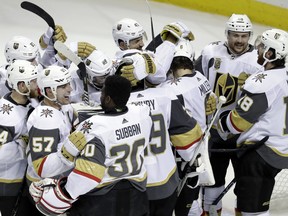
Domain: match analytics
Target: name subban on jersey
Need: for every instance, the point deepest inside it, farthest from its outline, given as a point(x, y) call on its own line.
point(128, 131)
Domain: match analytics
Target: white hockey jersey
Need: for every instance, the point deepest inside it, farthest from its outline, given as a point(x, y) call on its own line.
point(172, 126)
point(192, 91)
point(115, 150)
point(13, 160)
point(145, 62)
point(223, 68)
point(262, 111)
point(48, 127)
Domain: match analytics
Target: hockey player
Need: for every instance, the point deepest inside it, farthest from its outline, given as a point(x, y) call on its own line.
point(193, 89)
point(172, 125)
point(222, 64)
point(49, 124)
point(261, 111)
point(98, 67)
point(15, 107)
point(18, 47)
point(128, 35)
point(110, 169)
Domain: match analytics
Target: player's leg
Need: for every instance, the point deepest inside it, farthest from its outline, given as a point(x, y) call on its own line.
point(219, 163)
point(254, 185)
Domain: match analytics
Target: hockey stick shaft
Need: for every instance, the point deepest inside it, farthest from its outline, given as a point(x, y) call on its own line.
point(152, 27)
point(222, 100)
point(64, 50)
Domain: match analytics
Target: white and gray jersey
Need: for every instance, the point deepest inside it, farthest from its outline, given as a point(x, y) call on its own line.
point(223, 68)
point(48, 128)
point(262, 111)
point(13, 161)
point(192, 91)
point(116, 142)
point(172, 126)
point(145, 61)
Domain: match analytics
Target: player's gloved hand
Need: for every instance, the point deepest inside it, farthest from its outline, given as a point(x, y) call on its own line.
point(54, 199)
point(85, 49)
point(178, 30)
point(211, 104)
point(72, 146)
point(242, 78)
point(222, 128)
point(36, 188)
point(127, 71)
point(52, 35)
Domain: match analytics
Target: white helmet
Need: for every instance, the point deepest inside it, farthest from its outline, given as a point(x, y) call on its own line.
point(21, 71)
point(20, 47)
point(185, 48)
point(98, 67)
point(239, 23)
point(52, 77)
point(127, 29)
point(276, 39)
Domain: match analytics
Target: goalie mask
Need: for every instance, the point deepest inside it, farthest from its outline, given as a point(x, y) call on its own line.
point(98, 67)
point(21, 71)
point(126, 30)
point(20, 47)
point(52, 77)
point(276, 39)
point(239, 23)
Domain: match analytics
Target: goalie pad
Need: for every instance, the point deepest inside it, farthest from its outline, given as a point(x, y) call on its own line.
point(53, 201)
point(206, 177)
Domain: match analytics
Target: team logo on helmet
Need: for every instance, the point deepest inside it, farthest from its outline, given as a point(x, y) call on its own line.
point(277, 36)
point(119, 26)
point(46, 72)
point(88, 62)
point(217, 63)
point(15, 46)
point(21, 69)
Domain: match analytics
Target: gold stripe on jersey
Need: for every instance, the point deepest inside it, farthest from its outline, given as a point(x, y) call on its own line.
point(31, 179)
point(89, 169)
point(10, 180)
point(239, 123)
point(38, 165)
point(165, 180)
point(149, 63)
point(278, 152)
point(186, 140)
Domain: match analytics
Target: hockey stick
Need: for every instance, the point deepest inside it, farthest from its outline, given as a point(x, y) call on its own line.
point(213, 206)
point(198, 149)
point(152, 27)
point(19, 195)
point(39, 11)
point(64, 50)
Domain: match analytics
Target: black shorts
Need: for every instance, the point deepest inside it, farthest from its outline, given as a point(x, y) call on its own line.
point(254, 183)
point(122, 200)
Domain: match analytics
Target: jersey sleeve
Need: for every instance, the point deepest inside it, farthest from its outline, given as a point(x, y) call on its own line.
point(185, 133)
point(248, 110)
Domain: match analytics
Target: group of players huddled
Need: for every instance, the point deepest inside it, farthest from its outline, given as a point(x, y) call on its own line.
point(126, 151)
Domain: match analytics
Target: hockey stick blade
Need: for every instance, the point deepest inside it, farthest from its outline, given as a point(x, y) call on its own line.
point(64, 50)
point(39, 11)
